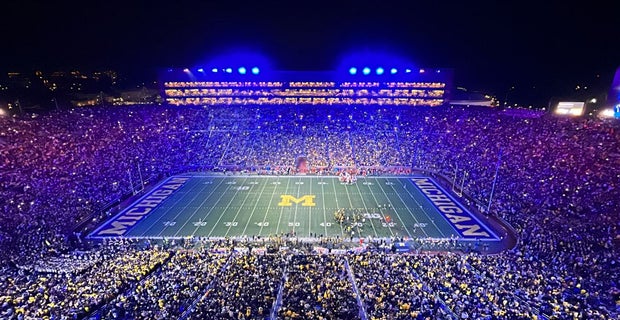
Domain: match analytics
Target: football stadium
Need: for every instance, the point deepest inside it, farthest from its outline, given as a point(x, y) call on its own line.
point(255, 206)
point(354, 193)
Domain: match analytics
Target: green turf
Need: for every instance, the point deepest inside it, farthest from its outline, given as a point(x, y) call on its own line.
point(236, 206)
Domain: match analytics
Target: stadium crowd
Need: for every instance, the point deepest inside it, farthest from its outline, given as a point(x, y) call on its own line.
point(557, 184)
point(390, 289)
point(27, 294)
point(168, 293)
point(247, 289)
point(318, 287)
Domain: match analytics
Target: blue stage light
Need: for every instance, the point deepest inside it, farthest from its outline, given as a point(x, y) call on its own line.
point(393, 71)
point(407, 70)
point(242, 70)
point(255, 70)
point(380, 71)
point(366, 71)
point(228, 70)
point(186, 70)
point(214, 70)
point(353, 70)
point(201, 70)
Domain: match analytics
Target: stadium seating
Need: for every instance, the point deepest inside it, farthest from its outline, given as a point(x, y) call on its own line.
point(557, 185)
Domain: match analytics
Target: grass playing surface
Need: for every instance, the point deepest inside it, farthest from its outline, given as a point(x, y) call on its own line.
point(237, 206)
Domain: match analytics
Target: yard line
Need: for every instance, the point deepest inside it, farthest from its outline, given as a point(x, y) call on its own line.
point(324, 210)
point(268, 206)
point(296, 206)
point(310, 212)
point(381, 212)
point(222, 213)
point(239, 210)
point(351, 204)
point(260, 197)
point(423, 210)
point(165, 214)
point(365, 207)
point(335, 180)
point(203, 202)
point(288, 181)
point(397, 214)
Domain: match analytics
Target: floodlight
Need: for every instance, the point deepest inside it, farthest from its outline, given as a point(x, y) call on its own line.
point(366, 71)
point(242, 70)
point(255, 70)
point(353, 70)
point(380, 71)
point(393, 71)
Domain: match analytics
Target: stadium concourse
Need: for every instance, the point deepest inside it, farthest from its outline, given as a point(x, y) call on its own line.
point(557, 185)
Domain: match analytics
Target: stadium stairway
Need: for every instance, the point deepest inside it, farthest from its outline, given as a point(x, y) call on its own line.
point(278, 302)
point(191, 307)
point(96, 314)
point(360, 303)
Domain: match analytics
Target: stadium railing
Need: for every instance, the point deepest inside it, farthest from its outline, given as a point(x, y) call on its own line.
point(358, 296)
point(278, 301)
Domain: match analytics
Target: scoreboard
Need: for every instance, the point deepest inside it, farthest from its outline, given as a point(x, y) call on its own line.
point(570, 108)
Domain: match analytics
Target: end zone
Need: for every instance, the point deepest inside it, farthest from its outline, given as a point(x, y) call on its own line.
point(130, 216)
point(466, 224)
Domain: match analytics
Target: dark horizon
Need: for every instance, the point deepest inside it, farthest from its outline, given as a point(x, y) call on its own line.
point(544, 49)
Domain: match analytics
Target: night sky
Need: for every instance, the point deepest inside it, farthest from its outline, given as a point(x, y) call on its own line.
point(491, 45)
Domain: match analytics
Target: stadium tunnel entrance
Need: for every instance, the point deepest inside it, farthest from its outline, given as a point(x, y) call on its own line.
point(301, 164)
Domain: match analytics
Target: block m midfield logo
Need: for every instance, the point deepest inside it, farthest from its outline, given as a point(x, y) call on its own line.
point(287, 200)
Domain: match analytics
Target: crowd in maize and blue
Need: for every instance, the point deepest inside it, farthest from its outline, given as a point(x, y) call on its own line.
point(557, 185)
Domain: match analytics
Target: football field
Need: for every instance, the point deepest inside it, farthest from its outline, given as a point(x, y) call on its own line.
point(302, 206)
